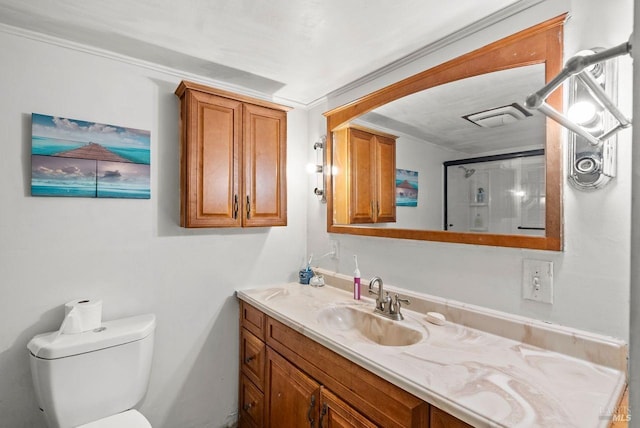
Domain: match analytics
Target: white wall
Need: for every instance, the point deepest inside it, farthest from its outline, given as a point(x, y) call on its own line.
point(130, 253)
point(591, 274)
point(427, 159)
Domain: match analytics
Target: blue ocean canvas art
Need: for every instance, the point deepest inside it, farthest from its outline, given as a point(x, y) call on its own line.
point(406, 188)
point(75, 158)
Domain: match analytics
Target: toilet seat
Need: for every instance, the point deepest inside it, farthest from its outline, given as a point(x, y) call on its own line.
point(129, 419)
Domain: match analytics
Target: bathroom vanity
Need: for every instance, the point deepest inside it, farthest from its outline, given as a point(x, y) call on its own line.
point(316, 357)
point(282, 370)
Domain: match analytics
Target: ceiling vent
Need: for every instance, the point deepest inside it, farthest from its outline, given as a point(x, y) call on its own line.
point(498, 116)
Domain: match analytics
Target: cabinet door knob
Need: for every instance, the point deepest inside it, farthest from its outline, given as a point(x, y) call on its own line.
point(249, 359)
point(248, 406)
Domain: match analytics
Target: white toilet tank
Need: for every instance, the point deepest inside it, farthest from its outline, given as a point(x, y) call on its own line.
point(83, 377)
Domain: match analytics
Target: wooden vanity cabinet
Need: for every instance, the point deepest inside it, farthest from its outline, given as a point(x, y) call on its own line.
point(365, 182)
point(232, 159)
point(303, 381)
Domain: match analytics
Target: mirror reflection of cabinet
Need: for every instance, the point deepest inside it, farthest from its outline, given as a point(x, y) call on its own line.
point(364, 177)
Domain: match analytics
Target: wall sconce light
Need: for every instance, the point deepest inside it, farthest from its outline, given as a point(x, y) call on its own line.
point(319, 168)
point(592, 116)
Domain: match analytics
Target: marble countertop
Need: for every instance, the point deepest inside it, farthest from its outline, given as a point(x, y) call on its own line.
point(481, 378)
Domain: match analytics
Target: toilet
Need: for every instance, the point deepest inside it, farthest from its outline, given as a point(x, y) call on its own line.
point(94, 379)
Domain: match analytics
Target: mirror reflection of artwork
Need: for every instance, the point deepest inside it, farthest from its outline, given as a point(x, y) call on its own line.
point(406, 188)
point(75, 158)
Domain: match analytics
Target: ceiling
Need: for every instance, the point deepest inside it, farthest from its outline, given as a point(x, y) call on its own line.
point(298, 50)
point(437, 114)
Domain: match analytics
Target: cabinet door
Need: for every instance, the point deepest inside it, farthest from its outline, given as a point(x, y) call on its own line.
point(385, 179)
point(265, 153)
point(362, 172)
point(335, 413)
point(210, 152)
point(291, 396)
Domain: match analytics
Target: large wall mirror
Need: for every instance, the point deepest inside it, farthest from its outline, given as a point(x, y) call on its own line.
point(450, 154)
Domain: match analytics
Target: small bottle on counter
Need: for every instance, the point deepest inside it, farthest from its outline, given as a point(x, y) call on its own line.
point(356, 280)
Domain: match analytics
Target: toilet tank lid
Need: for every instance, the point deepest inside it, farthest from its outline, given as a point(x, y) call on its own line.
point(53, 345)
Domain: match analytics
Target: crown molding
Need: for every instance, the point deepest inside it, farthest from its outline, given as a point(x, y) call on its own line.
point(179, 74)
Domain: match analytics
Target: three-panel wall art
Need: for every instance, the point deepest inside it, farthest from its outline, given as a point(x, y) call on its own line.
point(75, 158)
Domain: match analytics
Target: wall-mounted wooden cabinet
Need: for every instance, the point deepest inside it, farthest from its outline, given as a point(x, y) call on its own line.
point(232, 159)
point(365, 179)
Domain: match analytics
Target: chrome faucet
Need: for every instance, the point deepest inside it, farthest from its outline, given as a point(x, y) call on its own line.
point(385, 305)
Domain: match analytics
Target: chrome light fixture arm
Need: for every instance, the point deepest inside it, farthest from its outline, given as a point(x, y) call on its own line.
point(578, 66)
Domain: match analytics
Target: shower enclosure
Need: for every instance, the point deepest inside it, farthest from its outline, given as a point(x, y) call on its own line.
point(502, 194)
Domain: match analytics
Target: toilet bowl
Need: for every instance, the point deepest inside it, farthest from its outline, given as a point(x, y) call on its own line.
point(96, 378)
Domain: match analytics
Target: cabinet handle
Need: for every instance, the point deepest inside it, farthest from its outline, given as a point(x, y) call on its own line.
point(235, 206)
point(372, 209)
point(322, 413)
point(248, 207)
point(378, 207)
point(310, 412)
point(247, 406)
point(249, 359)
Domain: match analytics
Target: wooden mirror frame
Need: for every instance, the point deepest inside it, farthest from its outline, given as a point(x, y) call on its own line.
point(540, 44)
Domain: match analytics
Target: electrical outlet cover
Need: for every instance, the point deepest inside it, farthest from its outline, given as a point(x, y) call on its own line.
point(537, 280)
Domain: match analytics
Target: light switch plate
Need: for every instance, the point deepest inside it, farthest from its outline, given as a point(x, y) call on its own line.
point(537, 280)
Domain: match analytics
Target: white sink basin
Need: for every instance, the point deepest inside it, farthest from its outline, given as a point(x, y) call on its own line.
point(368, 325)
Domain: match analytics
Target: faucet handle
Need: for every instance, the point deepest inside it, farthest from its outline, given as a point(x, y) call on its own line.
point(398, 301)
